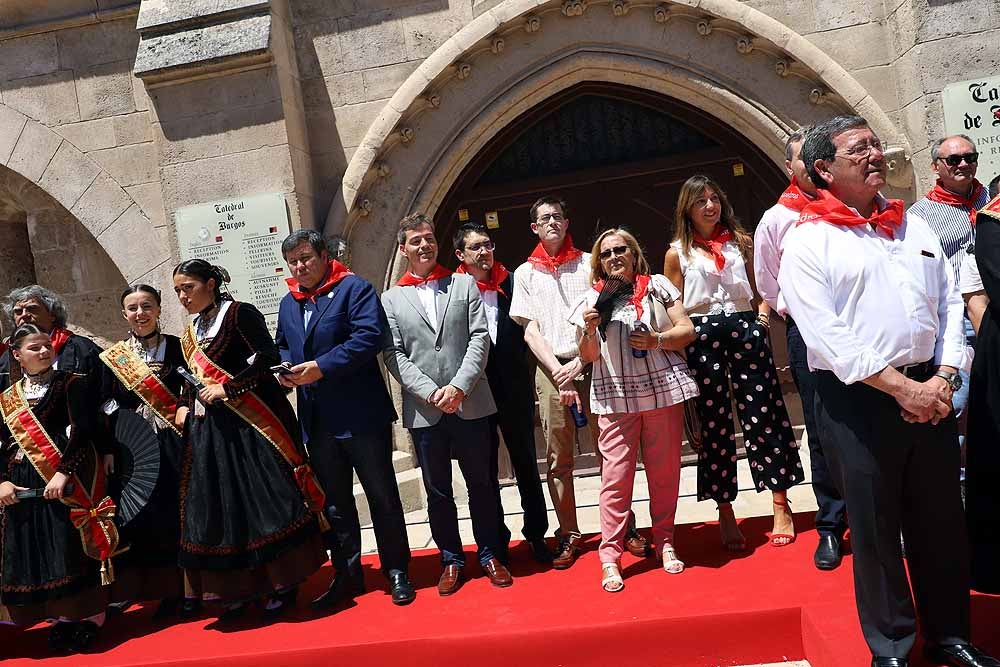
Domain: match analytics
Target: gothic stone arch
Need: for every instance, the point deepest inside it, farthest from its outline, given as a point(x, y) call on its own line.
point(725, 58)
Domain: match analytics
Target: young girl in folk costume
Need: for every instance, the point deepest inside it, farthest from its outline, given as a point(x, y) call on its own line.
point(251, 509)
point(710, 261)
point(140, 375)
point(56, 548)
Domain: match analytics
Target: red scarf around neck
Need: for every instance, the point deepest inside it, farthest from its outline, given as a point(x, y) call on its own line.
point(714, 244)
point(794, 197)
point(640, 287)
point(498, 274)
point(944, 196)
point(59, 336)
point(410, 280)
point(542, 260)
point(828, 208)
point(335, 272)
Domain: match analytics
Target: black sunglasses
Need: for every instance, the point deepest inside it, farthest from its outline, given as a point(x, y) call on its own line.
point(617, 250)
point(955, 160)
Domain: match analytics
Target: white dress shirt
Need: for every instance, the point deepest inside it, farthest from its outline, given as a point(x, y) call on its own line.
point(970, 280)
point(427, 293)
point(863, 301)
point(548, 298)
point(771, 230)
point(492, 309)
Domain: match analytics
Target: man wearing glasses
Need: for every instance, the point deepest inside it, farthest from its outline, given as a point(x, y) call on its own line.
point(876, 304)
point(950, 211)
point(546, 287)
point(509, 375)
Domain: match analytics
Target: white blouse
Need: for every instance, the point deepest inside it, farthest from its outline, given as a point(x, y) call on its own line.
point(624, 383)
point(707, 291)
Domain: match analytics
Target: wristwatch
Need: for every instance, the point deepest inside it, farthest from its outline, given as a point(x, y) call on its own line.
point(954, 380)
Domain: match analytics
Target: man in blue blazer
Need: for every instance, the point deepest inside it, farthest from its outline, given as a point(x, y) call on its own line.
point(331, 327)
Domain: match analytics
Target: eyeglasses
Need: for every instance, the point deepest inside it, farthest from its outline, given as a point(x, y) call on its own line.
point(955, 160)
point(485, 245)
point(554, 217)
point(617, 250)
point(862, 151)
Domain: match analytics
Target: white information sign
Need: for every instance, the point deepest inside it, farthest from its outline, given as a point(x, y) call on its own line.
point(243, 235)
point(973, 108)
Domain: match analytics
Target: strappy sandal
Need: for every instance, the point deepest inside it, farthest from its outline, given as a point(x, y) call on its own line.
point(783, 539)
point(611, 579)
point(734, 543)
point(671, 563)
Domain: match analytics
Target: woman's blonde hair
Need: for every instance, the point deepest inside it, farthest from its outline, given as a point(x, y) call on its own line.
point(597, 270)
point(693, 188)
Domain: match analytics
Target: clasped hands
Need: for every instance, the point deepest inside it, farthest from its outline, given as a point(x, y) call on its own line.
point(447, 399)
point(923, 402)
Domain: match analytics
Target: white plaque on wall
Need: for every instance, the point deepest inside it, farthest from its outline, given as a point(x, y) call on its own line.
point(973, 108)
point(243, 235)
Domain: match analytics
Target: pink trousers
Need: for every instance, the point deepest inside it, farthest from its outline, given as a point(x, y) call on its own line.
point(658, 433)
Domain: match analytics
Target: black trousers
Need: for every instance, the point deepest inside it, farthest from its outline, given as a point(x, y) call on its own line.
point(519, 436)
point(830, 515)
point(370, 454)
point(898, 476)
point(469, 442)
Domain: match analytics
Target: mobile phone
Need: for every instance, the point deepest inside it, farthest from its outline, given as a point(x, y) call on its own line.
point(282, 369)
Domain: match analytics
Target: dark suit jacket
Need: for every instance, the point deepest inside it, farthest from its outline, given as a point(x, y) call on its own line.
point(509, 366)
point(345, 335)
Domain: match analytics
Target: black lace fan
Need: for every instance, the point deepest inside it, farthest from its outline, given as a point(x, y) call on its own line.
point(614, 295)
point(137, 465)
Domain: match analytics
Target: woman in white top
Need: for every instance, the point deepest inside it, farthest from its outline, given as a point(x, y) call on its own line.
point(710, 260)
point(638, 400)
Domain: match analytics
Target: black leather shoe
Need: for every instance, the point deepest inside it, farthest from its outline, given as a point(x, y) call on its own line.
point(342, 588)
point(540, 551)
point(401, 588)
point(959, 655)
point(827, 556)
point(880, 661)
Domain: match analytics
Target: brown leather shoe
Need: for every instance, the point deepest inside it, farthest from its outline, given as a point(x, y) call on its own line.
point(451, 580)
point(569, 549)
point(637, 545)
point(498, 574)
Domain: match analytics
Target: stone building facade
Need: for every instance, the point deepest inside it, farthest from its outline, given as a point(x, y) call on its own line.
point(114, 114)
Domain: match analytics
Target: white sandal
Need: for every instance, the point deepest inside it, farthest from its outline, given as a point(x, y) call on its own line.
point(671, 563)
point(611, 579)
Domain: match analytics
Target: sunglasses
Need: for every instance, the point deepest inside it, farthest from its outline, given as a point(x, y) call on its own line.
point(955, 160)
point(617, 251)
point(476, 247)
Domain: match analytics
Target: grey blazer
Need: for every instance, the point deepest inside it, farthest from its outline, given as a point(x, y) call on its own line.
point(423, 358)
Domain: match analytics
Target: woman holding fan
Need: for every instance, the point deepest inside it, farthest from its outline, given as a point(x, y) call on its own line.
point(639, 385)
point(250, 505)
point(710, 260)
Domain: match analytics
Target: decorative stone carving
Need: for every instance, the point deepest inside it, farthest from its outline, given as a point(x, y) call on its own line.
point(782, 68)
point(365, 208)
point(406, 134)
point(661, 13)
point(463, 70)
point(818, 96)
point(433, 100)
point(532, 23)
point(497, 45)
point(382, 169)
point(620, 7)
point(574, 7)
point(745, 45)
point(899, 167)
point(704, 27)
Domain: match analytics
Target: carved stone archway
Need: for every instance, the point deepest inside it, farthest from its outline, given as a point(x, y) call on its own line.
point(720, 56)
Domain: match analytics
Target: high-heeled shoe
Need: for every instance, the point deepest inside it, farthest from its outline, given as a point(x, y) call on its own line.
point(671, 563)
point(783, 539)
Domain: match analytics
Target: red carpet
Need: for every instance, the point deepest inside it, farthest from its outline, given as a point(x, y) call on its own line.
point(766, 606)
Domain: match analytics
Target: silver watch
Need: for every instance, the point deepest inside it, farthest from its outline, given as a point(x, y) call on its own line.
point(954, 380)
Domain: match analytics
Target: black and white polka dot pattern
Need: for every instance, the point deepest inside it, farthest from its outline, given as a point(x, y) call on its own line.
point(734, 347)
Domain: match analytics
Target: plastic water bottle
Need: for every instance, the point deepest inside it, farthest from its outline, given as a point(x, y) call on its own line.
point(579, 418)
point(637, 327)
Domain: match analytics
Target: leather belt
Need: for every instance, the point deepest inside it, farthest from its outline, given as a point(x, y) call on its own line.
point(921, 370)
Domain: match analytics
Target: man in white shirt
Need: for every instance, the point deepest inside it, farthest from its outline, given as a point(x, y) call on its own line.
point(831, 521)
point(510, 377)
point(876, 304)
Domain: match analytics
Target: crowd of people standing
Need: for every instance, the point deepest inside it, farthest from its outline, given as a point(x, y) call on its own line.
point(251, 498)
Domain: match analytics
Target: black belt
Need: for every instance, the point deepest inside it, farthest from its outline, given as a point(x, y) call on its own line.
point(920, 371)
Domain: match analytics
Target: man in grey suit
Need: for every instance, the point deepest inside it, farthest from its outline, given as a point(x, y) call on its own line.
point(440, 346)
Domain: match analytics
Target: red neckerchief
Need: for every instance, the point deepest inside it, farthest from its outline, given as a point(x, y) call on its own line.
point(335, 272)
point(498, 274)
point(714, 244)
point(939, 194)
point(828, 208)
point(640, 287)
point(794, 198)
point(437, 273)
point(59, 336)
point(542, 260)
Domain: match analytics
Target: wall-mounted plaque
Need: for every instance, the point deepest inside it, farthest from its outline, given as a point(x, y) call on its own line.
point(973, 108)
point(244, 235)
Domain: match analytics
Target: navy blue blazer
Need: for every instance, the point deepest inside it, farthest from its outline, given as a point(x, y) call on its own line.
point(346, 333)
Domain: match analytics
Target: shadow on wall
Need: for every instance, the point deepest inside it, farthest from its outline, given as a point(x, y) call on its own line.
point(41, 242)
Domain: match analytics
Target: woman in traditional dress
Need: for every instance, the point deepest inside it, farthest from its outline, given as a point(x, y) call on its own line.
point(250, 505)
point(638, 391)
point(53, 569)
point(140, 376)
point(711, 262)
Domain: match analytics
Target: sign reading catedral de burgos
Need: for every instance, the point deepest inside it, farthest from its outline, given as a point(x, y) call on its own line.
point(973, 108)
point(243, 235)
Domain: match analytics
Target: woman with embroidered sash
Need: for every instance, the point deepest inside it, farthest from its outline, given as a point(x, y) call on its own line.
point(251, 508)
point(140, 375)
point(56, 548)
